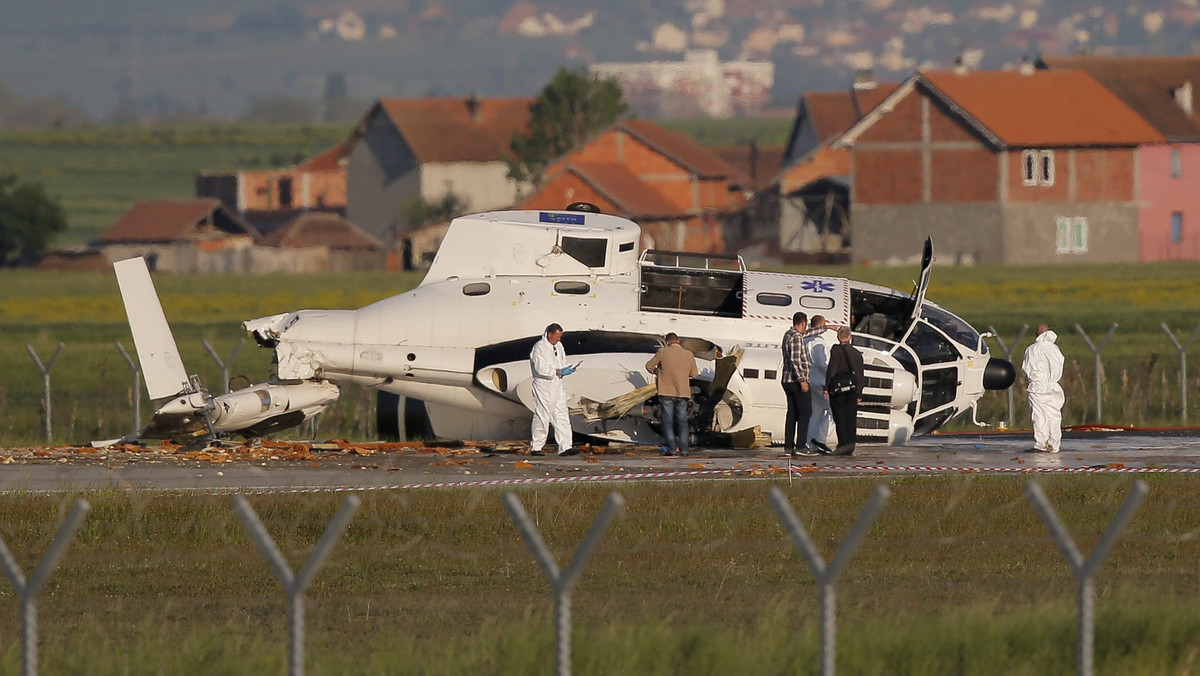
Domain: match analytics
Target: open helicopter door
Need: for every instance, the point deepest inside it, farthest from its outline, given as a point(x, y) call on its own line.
point(921, 286)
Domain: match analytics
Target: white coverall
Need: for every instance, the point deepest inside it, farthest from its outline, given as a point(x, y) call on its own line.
point(549, 395)
point(820, 424)
point(1043, 367)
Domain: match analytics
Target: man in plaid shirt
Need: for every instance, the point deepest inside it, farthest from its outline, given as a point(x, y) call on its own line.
point(796, 361)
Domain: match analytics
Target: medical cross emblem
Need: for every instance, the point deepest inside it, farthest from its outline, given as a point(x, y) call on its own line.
point(818, 286)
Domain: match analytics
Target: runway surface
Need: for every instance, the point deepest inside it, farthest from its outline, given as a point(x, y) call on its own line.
point(340, 466)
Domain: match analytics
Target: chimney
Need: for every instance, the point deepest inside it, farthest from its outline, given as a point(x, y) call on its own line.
point(473, 107)
point(960, 68)
point(864, 80)
point(1183, 96)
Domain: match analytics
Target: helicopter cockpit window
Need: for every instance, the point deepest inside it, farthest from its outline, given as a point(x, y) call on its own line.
point(591, 252)
point(958, 330)
point(930, 346)
point(780, 299)
point(476, 289)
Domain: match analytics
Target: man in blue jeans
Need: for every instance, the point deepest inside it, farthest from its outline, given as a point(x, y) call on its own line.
point(675, 367)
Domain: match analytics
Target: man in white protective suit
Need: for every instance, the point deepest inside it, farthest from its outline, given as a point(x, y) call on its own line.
point(549, 364)
point(1043, 367)
point(820, 338)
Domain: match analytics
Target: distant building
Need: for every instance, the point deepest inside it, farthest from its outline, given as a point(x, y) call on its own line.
point(318, 183)
point(424, 149)
point(200, 235)
point(679, 192)
point(998, 167)
point(1165, 90)
point(700, 84)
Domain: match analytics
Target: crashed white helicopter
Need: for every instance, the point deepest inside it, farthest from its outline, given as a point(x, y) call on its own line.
point(460, 341)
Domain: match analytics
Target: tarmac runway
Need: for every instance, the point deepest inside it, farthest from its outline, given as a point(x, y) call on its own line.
point(299, 467)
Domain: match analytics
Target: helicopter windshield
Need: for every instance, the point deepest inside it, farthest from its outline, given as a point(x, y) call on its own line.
point(955, 328)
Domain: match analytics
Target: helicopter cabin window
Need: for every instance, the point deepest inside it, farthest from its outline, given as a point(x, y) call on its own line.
point(625, 246)
point(589, 251)
point(879, 314)
point(817, 302)
point(778, 299)
point(572, 288)
point(749, 373)
point(476, 289)
point(691, 291)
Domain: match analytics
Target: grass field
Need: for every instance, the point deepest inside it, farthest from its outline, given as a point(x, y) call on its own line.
point(958, 575)
point(98, 173)
point(93, 390)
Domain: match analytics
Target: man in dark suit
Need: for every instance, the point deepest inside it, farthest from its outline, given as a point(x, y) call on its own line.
point(844, 358)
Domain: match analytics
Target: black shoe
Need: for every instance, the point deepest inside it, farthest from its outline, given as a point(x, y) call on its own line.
point(821, 448)
point(843, 449)
point(668, 454)
point(570, 451)
point(538, 453)
point(806, 453)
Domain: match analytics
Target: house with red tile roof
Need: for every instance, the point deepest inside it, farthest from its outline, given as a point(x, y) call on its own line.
point(200, 235)
point(1014, 167)
point(679, 192)
point(405, 150)
point(1165, 90)
point(316, 241)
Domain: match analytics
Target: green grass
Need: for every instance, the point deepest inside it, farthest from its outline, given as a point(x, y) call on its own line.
point(958, 575)
point(98, 173)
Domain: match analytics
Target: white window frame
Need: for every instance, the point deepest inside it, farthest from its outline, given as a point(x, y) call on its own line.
point(1079, 235)
point(1063, 238)
point(1029, 168)
point(1046, 168)
point(1071, 235)
point(1037, 168)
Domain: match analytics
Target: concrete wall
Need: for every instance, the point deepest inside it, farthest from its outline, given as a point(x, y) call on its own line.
point(1032, 232)
point(482, 185)
point(381, 174)
point(894, 234)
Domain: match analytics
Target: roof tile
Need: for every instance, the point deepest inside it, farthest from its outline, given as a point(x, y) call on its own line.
point(454, 129)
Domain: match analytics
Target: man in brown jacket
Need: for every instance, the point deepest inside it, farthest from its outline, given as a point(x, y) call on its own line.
point(675, 367)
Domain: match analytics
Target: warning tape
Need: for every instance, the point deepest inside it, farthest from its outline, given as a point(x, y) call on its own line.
point(800, 470)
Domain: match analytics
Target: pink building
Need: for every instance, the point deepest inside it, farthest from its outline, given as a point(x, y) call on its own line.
point(1164, 90)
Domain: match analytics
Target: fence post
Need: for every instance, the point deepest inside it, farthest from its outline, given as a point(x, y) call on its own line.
point(45, 380)
point(1008, 354)
point(137, 387)
point(27, 590)
point(294, 585)
point(563, 582)
point(827, 575)
point(224, 365)
point(1096, 353)
point(1085, 570)
point(1182, 350)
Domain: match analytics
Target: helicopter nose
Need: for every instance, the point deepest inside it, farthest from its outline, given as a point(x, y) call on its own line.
point(999, 374)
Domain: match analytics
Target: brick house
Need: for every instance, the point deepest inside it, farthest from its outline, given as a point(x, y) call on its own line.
point(1163, 90)
point(428, 148)
point(316, 241)
point(317, 183)
point(1028, 166)
point(678, 191)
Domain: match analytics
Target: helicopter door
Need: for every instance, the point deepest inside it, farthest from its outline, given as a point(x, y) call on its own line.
point(922, 286)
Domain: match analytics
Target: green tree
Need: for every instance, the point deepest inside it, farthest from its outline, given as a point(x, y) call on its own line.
point(416, 212)
point(29, 220)
point(571, 108)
